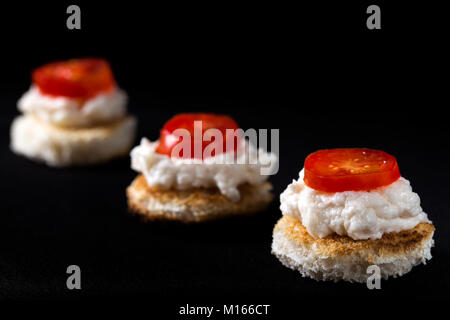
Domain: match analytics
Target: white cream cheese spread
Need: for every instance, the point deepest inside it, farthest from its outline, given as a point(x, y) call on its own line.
point(357, 214)
point(170, 172)
point(69, 112)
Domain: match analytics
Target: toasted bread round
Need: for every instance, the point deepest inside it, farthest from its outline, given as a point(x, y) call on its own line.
point(194, 205)
point(61, 146)
point(338, 257)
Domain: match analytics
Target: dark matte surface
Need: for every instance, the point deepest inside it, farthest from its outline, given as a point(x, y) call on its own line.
point(322, 86)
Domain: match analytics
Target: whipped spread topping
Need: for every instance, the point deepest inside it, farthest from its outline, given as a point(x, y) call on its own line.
point(170, 172)
point(357, 214)
point(63, 111)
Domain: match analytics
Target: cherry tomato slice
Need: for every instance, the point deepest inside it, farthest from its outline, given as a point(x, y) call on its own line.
point(76, 78)
point(338, 170)
point(167, 140)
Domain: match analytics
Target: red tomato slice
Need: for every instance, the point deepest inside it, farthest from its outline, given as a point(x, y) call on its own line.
point(76, 78)
point(338, 170)
point(168, 140)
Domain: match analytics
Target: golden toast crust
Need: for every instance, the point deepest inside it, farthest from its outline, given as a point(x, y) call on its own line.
point(196, 204)
point(391, 244)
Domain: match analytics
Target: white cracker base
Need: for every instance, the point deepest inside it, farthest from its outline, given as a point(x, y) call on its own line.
point(61, 147)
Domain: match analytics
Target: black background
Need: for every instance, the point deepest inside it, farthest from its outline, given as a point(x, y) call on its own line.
point(312, 70)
